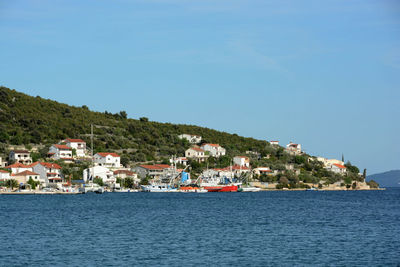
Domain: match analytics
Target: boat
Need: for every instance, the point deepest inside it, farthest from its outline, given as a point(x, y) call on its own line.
point(192, 189)
point(159, 188)
point(250, 189)
point(222, 188)
point(91, 188)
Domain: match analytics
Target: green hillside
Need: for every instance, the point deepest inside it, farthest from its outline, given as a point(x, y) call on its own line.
point(27, 120)
point(34, 120)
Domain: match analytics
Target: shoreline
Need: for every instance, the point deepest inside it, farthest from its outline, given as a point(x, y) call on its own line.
point(262, 190)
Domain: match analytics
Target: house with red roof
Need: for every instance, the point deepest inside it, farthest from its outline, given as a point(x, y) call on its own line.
point(50, 173)
point(293, 149)
point(21, 156)
point(197, 153)
point(23, 177)
point(337, 168)
point(274, 142)
point(62, 152)
point(78, 145)
point(107, 159)
point(18, 167)
point(263, 170)
point(215, 150)
point(154, 171)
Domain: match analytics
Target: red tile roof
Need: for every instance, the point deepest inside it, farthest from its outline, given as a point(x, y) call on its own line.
point(105, 154)
point(1, 171)
point(197, 149)
point(55, 178)
point(156, 166)
point(215, 145)
point(339, 166)
point(17, 165)
point(63, 147)
point(25, 173)
point(75, 140)
point(127, 172)
point(46, 165)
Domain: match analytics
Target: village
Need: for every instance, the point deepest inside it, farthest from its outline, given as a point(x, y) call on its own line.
point(106, 167)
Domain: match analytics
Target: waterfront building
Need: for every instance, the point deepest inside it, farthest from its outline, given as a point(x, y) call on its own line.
point(18, 168)
point(154, 171)
point(50, 173)
point(23, 177)
point(99, 172)
point(4, 175)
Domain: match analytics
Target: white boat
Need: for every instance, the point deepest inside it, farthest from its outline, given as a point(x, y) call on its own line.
point(91, 188)
point(251, 189)
point(158, 188)
point(126, 190)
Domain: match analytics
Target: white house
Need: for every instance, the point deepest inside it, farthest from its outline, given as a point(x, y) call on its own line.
point(23, 177)
point(78, 144)
point(329, 162)
point(179, 160)
point(293, 149)
point(214, 149)
point(18, 168)
point(241, 161)
point(262, 170)
point(196, 153)
point(21, 156)
point(107, 159)
point(4, 175)
point(50, 173)
point(154, 171)
point(63, 152)
point(274, 142)
point(192, 138)
point(99, 172)
point(126, 173)
point(337, 168)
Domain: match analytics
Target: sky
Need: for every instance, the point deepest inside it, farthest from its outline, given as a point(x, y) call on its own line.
point(325, 74)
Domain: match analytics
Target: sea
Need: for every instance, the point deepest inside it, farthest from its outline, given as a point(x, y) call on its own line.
point(279, 228)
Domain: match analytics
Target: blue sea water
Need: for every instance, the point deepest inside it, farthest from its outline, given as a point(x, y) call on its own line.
point(345, 228)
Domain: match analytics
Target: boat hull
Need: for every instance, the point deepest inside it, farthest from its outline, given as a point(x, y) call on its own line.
point(222, 188)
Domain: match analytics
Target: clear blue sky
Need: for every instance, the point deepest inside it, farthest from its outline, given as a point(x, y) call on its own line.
point(325, 74)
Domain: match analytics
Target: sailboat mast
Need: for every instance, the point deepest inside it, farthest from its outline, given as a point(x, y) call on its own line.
point(91, 141)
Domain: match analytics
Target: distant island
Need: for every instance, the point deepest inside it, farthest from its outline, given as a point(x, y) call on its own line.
point(46, 143)
point(386, 179)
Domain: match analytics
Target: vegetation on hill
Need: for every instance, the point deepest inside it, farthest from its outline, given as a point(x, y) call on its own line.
point(27, 120)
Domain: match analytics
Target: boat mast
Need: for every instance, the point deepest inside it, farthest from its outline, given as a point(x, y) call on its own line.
point(91, 140)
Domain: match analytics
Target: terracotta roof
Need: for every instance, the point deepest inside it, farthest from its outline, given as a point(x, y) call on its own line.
point(197, 149)
point(237, 167)
point(17, 165)
point(156, 166)
point(55, 178)
point(64, 147)
point(1, 171)
point(339, 166)
point(243, 157)
point(105, 154)
point(75, 140)
point(215, 145)
point(24, 173)
point(46, 165)
point(127, 172)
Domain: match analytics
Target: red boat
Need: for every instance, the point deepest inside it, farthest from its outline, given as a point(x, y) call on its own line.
point(222, 188)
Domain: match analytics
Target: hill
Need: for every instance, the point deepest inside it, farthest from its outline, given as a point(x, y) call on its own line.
point(34, 120)
point(386, 179)
point(27, 120)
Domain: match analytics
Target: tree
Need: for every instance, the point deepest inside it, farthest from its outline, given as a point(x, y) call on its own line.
point(129, 182)
point(33, 183)
point(123, 114)
point(98, 181)
point(144, 119)
point(373, 184)
point(12, 183)
point(365, 173)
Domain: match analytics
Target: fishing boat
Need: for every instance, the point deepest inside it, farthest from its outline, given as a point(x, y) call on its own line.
point(222, 188)
point(91, 188)
point(250, 189)
point(192, 189)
